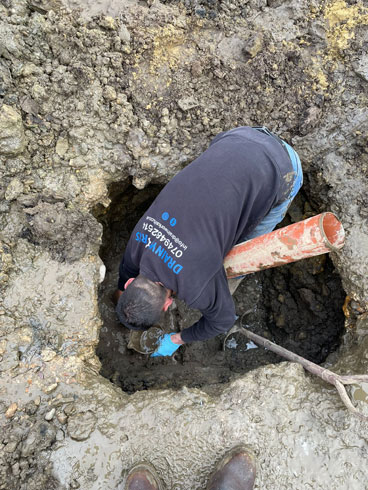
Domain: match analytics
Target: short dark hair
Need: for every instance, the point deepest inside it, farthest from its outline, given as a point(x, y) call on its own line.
point(140, 305)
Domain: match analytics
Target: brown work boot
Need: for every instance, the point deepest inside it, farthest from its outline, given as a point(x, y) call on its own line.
point(236, 471)
point(142, 477)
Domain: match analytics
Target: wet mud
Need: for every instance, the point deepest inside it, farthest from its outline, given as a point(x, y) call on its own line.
point(100, 105)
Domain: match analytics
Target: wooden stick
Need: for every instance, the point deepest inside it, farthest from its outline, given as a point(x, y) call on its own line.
point(327, 375)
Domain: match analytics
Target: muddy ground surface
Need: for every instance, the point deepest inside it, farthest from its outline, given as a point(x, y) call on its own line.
point(126, 94)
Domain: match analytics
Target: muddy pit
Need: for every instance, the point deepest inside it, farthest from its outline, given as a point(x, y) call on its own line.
point(298, 306)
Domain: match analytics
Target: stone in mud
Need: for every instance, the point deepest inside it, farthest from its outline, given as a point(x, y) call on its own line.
point(48, 355)
point(60, 187)
point(29, 106)
point(5, 78)
point(109, 93)
point(5, 262)
point(50, 415)
point(9, 48)
point(137, 142)
point(361, 67)
point(31, 407)
point(11, 410)
point(310, 119)
point(187, 103)
point(11, 447)
point(14, 189)
point(253, 45)
point(50, 388)
point(9, 357)
point(124, 34)
point(41, 436)
point(140, 182)
point(108, 22)
point(62, 146)
point(12, 139)
point(60, 436)
point(62, 417)
point(81, 425)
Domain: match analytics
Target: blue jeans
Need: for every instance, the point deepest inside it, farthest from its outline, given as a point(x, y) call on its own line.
point(276, 215)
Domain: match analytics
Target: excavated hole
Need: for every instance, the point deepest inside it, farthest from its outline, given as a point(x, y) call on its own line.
point(298, 306)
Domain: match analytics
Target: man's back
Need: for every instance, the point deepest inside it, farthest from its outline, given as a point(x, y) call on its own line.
point(206, 209)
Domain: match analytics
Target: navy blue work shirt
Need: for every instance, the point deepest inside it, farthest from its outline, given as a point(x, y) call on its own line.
point(182, 239)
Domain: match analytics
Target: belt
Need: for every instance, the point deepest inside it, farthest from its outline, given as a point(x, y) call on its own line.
point(265, 130)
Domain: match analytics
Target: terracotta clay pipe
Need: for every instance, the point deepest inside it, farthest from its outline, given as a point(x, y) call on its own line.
point(314, 236)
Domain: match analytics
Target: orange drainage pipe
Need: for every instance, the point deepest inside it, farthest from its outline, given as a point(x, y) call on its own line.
point(314, 236)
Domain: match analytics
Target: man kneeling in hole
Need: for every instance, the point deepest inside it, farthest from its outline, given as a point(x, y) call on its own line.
point(238, 189)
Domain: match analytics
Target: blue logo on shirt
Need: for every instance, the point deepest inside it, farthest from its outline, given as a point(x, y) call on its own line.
point(160, 251)
point(165, 216)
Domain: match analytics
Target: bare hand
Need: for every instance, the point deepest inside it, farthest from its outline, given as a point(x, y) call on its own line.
point(176, 339)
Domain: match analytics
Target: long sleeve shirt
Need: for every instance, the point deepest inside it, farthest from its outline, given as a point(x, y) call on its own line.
point(183, 238)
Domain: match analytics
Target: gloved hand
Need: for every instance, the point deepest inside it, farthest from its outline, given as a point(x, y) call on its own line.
point(165, 346)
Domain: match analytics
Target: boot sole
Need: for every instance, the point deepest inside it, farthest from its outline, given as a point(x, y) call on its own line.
point(143, 466)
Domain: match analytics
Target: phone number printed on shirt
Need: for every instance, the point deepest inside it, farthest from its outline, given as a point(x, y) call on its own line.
point(160, 251)
point(156, 233)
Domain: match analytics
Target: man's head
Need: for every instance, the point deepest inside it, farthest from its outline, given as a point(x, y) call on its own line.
point(141, 304)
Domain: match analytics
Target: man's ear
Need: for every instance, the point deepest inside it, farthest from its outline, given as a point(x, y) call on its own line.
point(167, 303)
point(129, 281)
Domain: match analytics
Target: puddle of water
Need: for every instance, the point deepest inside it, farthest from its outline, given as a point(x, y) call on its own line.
point(360, 392)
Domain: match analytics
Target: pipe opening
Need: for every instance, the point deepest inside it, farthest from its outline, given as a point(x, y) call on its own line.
point(298, 306)
point(333, 231)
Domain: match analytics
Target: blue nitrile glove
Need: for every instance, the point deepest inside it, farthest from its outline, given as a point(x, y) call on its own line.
point(165, 346)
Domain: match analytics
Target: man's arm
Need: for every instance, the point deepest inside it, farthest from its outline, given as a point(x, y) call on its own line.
point(127, 268)
point(217, 307)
